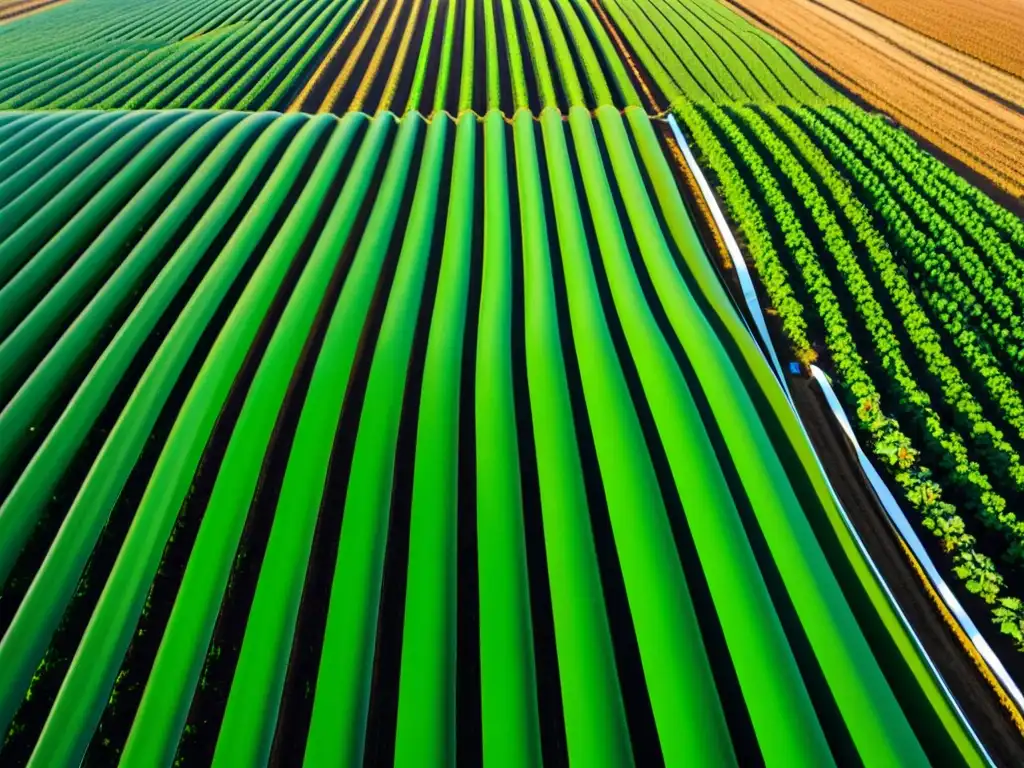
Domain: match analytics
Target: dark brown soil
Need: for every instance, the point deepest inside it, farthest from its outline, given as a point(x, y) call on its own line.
point(401, 98)
point(980, 704)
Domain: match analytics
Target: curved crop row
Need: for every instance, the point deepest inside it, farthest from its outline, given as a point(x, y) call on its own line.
point(388, 409)
point(923, 338)
point(314, 55)
point(994, 230)
point(892, 445)
point(946, 303)
point(701, 51)
point(952, 266)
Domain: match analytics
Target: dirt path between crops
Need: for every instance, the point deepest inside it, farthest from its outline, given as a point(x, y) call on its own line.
point(990, 719)
point(960, 106)
point(983, 709)
point(988, 30)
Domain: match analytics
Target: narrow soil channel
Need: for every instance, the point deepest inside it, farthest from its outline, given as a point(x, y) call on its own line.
point(981, 705)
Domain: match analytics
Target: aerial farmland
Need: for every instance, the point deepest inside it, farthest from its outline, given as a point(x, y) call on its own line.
point(511, 382)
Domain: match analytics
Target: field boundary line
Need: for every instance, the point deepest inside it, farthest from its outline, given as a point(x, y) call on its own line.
point(626, 55)
point(733, 248)
point(698, 200)
point(963, 626)
point(962, 637)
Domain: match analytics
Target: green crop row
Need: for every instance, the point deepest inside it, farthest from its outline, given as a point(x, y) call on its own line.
point(494, 355)
point(265, 53)
point(990, 265)
point(766, 151)
point(702, 51)
point(951, 303)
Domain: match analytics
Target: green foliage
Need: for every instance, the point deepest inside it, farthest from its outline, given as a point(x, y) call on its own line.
point(769, 149)
point(1010, 615)
point(945, 301)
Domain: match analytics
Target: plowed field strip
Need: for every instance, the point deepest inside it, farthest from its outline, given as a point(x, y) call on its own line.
point(470, 55)
point(316, 81)
point(349, 67)
point(21, 8)
point(979, 131)
point(971, 71)
point(372, 71)
point(988, 30)
point(400, 64)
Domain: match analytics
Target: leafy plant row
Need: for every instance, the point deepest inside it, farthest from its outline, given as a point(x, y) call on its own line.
point(944, 181)
point(734, 162)
point(942, 253)
point(992, 229)
point(989, 441)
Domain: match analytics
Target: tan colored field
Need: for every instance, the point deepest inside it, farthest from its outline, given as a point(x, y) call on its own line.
point(982, 76)
point(16, 9)
point(989, 30)
point(951, 100)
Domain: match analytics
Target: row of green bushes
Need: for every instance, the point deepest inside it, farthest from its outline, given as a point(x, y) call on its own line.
point(727, 150)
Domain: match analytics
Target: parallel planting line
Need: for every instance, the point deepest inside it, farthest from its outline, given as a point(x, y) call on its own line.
point(316, 56)
point(373, 439)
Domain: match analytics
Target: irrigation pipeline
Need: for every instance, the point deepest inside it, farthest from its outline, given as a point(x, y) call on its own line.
point(910, 537)
point(733, 248)
point(993, 670)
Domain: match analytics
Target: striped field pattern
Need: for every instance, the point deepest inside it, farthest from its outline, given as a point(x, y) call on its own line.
point(368, 396)
point(367, 438)
point(314, 55)
point(392, 55)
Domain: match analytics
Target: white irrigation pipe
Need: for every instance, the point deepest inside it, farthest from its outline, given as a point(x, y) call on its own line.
point(885, 497)
point(899, 519)
point(746, 284)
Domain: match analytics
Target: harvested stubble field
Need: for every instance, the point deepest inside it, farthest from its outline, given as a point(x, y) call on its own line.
point(966, 108)
point(989, 30)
